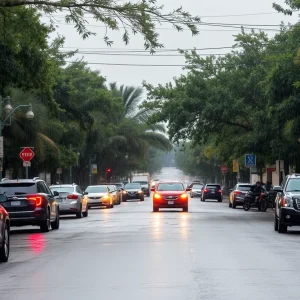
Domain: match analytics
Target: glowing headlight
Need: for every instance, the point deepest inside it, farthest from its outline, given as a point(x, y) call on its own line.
point(139, 192)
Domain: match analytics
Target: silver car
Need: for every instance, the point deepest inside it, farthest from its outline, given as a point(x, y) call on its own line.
point(71, 200)
point(196, 190)
point(98, 195)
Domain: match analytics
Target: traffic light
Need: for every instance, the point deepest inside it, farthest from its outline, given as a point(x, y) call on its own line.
point(108, 170)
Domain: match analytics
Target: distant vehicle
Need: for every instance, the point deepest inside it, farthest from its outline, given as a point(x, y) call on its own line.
point(191, 184)
point(115, 193)
point(170, 195)
point(196, 190)
point(238, 193)
point(71, 200)
point(287, 204)
point(212, 191)
point(4, 231)
point(144, 180)
point(98, 195)
point(30, 202)
point(133, 191)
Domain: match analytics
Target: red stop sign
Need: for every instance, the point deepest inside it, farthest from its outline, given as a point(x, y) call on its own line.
point(224, 169)
point(27, 154)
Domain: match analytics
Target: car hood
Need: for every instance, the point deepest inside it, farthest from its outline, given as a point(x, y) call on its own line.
point(96, 194)
point(293, 194)
point(170, 193)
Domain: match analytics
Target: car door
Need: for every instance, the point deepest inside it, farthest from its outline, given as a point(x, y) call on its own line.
point(82, 200)
point(113, 192)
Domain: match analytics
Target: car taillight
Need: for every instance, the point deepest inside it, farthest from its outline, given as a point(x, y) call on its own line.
point(157, 196)
point(283, 202)
point(37, 200)
point(206, 191)
point(72, 196)
point(220, 191)
point(184, 196)
point(237, 192)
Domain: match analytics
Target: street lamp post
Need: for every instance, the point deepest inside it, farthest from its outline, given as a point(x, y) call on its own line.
point(9, 111)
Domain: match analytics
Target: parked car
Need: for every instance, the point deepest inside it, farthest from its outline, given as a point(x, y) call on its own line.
point(287, 204)
point(133, 191)
point(71, 200)
point(30, 202)
point(237, 194)
point(170, 194)
point(212, 191)
point(4, 231)
point(98, 195)
point(196, 190)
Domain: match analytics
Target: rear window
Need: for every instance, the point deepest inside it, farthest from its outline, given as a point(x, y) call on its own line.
point(197, 186)
point(213, 186)
point(170, 187)
point(140, 182)
point(243, 187)
point(62, 189)
point(18, 188)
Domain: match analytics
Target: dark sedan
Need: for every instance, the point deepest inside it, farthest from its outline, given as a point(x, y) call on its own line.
point(133, 191)
point(237, 194)
point(4, 231)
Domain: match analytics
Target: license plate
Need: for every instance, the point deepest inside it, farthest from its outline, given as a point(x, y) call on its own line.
point(15, 203)
point(170, 202)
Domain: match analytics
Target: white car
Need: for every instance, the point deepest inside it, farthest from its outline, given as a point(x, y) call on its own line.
point(196, 190)
point(98, 195)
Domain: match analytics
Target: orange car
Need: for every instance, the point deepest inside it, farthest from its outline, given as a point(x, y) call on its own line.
point(171, 194)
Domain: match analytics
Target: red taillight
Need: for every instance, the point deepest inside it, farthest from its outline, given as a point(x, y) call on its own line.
point(206, 191)
point(237, 192)
point(220, 191)
point(283, 202)
point(72, 196)
point(37, 200)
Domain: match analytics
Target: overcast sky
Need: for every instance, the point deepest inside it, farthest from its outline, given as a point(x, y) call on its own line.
point(209, 37)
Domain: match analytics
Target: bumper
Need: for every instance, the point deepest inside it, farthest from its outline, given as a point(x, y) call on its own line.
point(25, 218)
point(290, 216)
point(98, 204)
point(128, 197)
point(194, 194)
point(239, 200)
point(213, 196)
point(65, 209)
point(170, 204)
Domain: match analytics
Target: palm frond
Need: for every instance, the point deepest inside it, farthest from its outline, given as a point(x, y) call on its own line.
point(158, 140)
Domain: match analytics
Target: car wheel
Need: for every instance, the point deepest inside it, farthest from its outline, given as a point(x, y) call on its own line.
point(203, 199)
point(46, 225)
point(155, 209)
point(86, 213)
point(55, 224)
point(230, 205)
point(276, 223)
point(192, 196)
point(79, 214)
point(234, 204)
point(4, 251)
point(142, 199)
point(220, 200)
point(185, 209)
point(282, 228)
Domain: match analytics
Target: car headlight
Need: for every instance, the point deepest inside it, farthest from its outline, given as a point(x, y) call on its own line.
point(289, 202)
point(139, 192)
point(124, 192)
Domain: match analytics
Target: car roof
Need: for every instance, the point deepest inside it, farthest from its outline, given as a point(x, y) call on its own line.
point(19, 180)
point(169, 181)
point(213, 184)
point(63, 185)
point(294, 175)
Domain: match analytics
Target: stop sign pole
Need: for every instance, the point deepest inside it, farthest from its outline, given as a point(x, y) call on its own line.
point(27, 155)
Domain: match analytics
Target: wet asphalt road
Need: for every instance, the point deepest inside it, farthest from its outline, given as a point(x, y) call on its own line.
point(128, 252)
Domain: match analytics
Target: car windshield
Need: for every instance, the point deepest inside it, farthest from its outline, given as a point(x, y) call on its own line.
point(141, 182)
point(293, 185)
point(96, 189)
point(112, 187)
point(133, 186)
point(18, 188)
point(243, 187)
point(197, 186)
point(170, 187)
point(62, 189)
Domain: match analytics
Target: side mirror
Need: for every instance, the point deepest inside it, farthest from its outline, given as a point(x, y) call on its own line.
point(84, 193)
point(188, 189)
point(277, 189)
point(152, 189)
point(55, 193)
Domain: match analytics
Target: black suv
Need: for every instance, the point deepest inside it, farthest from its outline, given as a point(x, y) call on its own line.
point(30, 202)
point(287, 203)
point(212, 191)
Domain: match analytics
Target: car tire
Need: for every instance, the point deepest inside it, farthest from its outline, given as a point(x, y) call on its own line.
point(203, 199)
point(185, 209)
point(220, 200)
point(4, 251)
point(155, 209)
point(233, 205)
point(282, 228)
point(230, 205)
point(192, 196)
point(79, 215)
point(148, 195)
point(276, 223)
point(86, 213)
point(55, 224)
point(142, 199)
point(46, 225)
point(110, 206)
